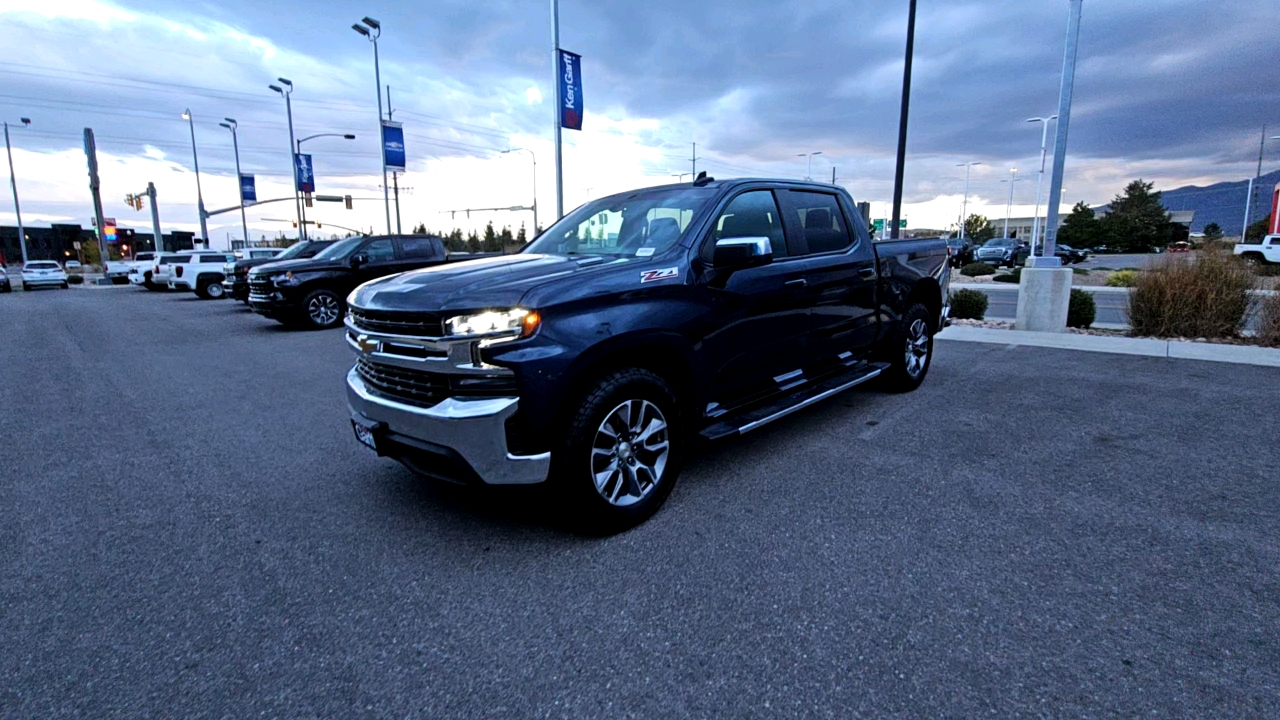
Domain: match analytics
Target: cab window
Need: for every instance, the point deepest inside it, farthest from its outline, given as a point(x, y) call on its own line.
point(752, 214)
point(380, 250)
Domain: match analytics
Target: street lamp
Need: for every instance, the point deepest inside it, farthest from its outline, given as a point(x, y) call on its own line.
point(302, 217)
point(13, 183)
point(1044, 150)
point(680, 176)
point(964, 205)
point(231, 125)
point(1008, 209)
point(293, 160)
point(808, 174)
point(535, 183)
point(204, 230)
point(373, 31)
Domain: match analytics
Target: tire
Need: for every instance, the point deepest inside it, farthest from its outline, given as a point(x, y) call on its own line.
point(65, 286)
point(209, 290)
point(26, 287)
point(322, 309)
point(608, 488)
point(911, 350)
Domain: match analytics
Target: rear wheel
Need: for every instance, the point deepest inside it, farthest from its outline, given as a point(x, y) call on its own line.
point(910, 350)
point(209, 290)
point(322, 309)
point(622, 452)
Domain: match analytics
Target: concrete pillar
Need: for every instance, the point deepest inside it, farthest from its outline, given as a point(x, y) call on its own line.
point(1044, 294)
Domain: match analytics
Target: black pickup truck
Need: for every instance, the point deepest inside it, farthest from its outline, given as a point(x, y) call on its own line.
point(236, 284)
point(312, 292)
point(639, 321)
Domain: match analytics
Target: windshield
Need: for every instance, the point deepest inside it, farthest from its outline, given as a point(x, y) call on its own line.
point(339, 249)
point(42, 266)
point(642, 223)
point(998, 242)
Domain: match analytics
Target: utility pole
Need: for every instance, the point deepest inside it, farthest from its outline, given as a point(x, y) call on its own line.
point(395, 176)
point(693, 157)
point(964, 205)
point(902, 120)
point(13, 183)
point(1060, 144)
point(91, 153)
point(155, 218)
point(555, 105)
point(833, 174)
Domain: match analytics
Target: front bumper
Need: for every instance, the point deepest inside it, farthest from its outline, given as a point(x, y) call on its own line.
point(238, 289)
point(33, 281)
point(436, 440)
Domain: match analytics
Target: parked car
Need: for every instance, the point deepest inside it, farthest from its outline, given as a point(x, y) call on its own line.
point(237, 283)
point(161, 269)
point(38, 273)
point(72, 266)
point(1180, 247)
point(595, 355)
point(1263, 252)
point(5, 286)
point(1003, 251)
point(312, 292)
point(144, 267)
point(962, 250)
point(117, 271)
point(201, 272)
point(1067, 254)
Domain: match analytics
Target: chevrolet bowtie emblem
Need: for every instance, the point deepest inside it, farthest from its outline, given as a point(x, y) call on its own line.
point(366, 344)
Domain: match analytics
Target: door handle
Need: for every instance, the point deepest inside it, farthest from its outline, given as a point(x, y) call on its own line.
point(867, 273)
point(797, 283)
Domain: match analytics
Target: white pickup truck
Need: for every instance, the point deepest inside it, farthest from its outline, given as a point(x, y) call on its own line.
point(1262, 252)
point(201, 272)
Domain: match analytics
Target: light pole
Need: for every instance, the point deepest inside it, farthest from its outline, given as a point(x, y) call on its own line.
point(204, 229)
point(302, 219)
point(1253, 184)
point(372, 29)
point(902, 119)
point(535, 183)
point(231, 125)
point(1044, 149)
point(1008, 209)
point(1060, 142)
point(964, 204)
point(293, 159)
point(13, 183)
point(680, 176)
point(808, 173)
point(555, 105)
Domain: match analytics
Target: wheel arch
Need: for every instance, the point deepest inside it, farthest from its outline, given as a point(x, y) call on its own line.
point(928, 292)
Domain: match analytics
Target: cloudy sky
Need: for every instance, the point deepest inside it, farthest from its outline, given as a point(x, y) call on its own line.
point(1174, 91)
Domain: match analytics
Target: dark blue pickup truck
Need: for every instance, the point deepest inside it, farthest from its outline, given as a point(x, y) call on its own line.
point(595, 357)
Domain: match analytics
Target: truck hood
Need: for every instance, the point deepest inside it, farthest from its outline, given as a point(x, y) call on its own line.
point(300, 265)
point(490, 282)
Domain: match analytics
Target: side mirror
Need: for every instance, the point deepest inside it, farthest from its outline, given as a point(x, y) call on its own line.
point(743, 252)
point(359, 259)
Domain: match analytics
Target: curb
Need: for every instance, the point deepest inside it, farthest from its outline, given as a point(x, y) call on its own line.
point(1147, 347)
point(1087, 288)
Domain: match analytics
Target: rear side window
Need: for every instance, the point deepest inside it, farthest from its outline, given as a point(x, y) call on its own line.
point(311, 250)
point(380, 250)
point(753, 214)
point(424, 247)
point(261, 254)
point(821, 221)
point(177, 259)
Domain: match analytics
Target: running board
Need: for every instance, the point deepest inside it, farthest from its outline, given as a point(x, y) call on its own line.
point(803, 398)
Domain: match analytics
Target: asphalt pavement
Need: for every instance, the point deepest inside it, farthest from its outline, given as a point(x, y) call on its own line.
point(188, 528)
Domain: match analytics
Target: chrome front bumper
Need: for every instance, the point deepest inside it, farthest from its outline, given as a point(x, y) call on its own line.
point(474, 429)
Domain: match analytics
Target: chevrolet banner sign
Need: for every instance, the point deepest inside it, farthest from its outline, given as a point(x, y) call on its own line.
point(569, 80)
point(393, 146)
point(248, 190)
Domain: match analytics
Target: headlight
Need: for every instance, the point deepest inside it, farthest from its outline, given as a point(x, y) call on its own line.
point(285, 280)
point(520, 322)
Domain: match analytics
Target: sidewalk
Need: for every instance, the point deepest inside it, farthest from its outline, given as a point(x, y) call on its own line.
point(1149, 347)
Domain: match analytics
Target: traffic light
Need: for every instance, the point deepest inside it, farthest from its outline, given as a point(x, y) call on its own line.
point(346, 200)
point(128, 200)
point(307, 199)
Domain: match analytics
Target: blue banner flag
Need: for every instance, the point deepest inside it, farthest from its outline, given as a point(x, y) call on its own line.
point(569, 92)
point(248, 192)
point(303, 174)
point(393, 145)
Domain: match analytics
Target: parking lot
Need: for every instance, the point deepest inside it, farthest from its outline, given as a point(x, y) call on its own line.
point(188, 528)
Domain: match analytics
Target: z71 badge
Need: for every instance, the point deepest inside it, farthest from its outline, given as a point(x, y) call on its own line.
point(663, 274)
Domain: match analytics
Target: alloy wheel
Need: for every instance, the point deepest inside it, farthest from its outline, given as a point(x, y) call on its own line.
point(323, 310)
point(629, 453)
point(917, 351)
point(214, 290)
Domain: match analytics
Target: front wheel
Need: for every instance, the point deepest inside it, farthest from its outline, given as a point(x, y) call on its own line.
point(322, 309)
point(910, 350)
point(622, 453)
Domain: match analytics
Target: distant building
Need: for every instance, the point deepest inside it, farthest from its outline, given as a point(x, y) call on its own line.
point(58, 242)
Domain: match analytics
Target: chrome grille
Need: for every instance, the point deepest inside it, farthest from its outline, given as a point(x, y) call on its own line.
point(413, 324)
point(425, 389)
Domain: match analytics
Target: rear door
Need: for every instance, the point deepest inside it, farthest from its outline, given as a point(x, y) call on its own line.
point(418, 252)
point(382, 260)
point(839, 271)
point(760, 315)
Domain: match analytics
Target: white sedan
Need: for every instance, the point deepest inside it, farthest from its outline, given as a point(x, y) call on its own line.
point(43, 272)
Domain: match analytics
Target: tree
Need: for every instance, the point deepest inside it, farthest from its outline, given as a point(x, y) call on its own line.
point(1137, 221)
point(1212, 232)
point(421, 229)
point(978, 228)
point(1081, 228)
point(1257, 230)
point(506, 240)
point(521, 238)
point(473, 242)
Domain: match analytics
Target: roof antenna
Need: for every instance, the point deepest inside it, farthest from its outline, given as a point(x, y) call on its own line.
point(703, 179)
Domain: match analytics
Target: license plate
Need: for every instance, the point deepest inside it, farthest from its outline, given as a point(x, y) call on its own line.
point(366, 435)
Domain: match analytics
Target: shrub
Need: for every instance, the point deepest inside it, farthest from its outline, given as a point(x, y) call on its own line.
point(1079, 271)
point(1122, 278)
point(1206, 297)
point(1013, 276)
point(1269, 321)
point(976, 269)
point(1267, 270)
point(968, 304)
point(75, 279)
point(1083, 310)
